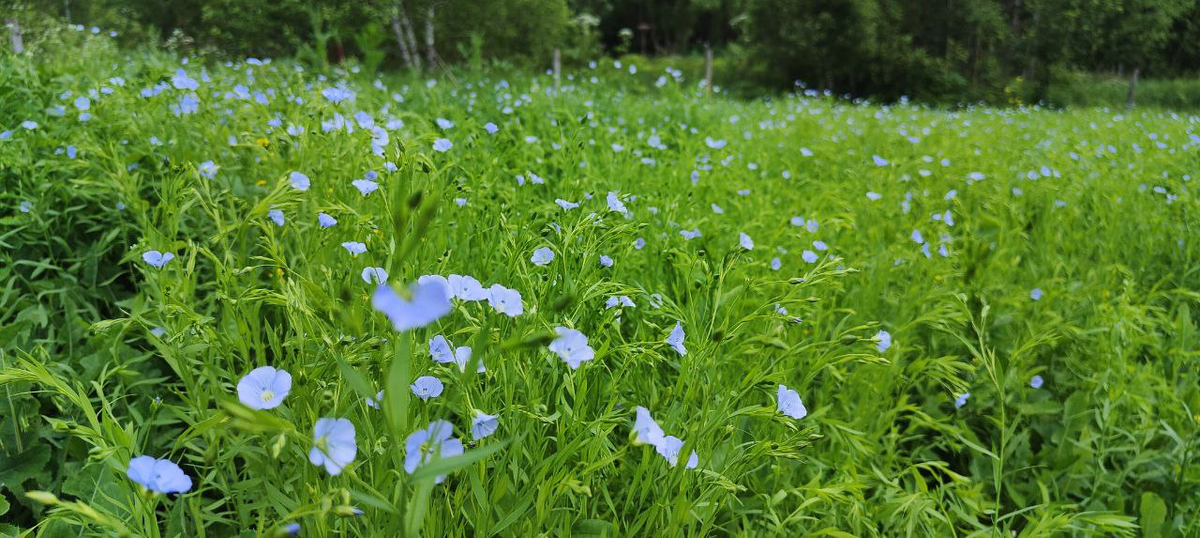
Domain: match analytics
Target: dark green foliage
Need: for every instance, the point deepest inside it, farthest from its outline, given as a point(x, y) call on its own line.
point(962, 51)
point(951, 52)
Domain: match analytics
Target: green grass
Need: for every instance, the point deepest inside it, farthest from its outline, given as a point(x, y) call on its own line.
point(1106, 447)
point(1085, 90)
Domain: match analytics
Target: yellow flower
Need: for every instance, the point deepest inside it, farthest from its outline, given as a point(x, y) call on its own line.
point(261, 183)
point(262, 142)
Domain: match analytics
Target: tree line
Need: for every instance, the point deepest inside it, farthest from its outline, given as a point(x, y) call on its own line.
point(940, 50)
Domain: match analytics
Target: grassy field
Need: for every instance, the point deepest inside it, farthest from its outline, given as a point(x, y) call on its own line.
point(985, 314)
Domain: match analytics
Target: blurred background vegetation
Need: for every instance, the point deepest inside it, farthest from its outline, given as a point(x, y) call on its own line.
point(1056, 52)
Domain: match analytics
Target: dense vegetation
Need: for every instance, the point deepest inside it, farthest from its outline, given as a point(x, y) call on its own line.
point(985, 315)
point(968, 51)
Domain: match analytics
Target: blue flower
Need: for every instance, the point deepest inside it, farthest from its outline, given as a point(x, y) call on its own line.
point(714, 144)
point(442, 352)
point(156, 258)
point(639, 243)
point(883, 340)
point(690, 234)
point(438, 280)
point(188, 104)
point(264, 388)
point(809, 256)
point(83, 103)
point(466, 288)
point(879, 161)
point(337, 95)
point(615, 204)
point(1035, 294)
point(745, 241)
point(961, 400)
point(606, 261)
point(567, 206)
point(619, 300)
point(437, 440)
point(444, 124)
point(483, 425)
point(325, 220)
point(373, 401)
point(292, 529)
point(364, 120)
point(276, 216)
point(207, 169)
point(645, 430)
point(426, 387)
point(1036, 381)
point(333, 444)
point(788, 402)
point(181, 81)
point(25, 207)
point(572, 347)
point(375, 275)
point(505, 301)
point(299, 181)
point(542, 256)
point(669, 448)
point(365, 186)
point(429, 302)
point(675, 339)
point(776, 263)
point(354, 247)
point(442, 145)
point(159, 476)
point(490, 127)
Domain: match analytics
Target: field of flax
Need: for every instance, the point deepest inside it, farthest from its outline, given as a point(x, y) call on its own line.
point(255, 299)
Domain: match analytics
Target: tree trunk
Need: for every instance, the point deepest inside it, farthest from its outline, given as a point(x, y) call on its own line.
point(430, 52)
point(398, 30)
point(1132, 87)
point(407, 29)
point(708, 68)
point(557, 67)
point(14, 35)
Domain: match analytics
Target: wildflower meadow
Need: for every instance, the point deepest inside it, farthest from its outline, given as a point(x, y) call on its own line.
point(255, 298)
